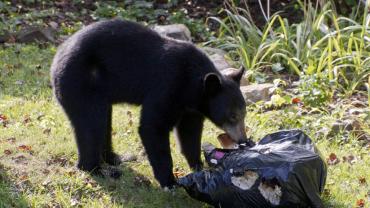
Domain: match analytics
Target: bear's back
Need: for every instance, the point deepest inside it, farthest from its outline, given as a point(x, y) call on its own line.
point(111, 36)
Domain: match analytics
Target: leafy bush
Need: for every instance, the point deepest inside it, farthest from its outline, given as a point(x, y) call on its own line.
point(323, 46)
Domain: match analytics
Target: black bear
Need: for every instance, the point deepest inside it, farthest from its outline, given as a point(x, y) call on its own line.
point(176, 84)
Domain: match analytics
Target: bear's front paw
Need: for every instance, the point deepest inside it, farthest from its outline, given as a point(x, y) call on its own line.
point(170, 184)
point(197, 166)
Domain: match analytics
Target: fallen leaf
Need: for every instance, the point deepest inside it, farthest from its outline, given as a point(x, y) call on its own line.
point(41, 115)
point(296, 100)
point(362, 180)
point(45, 171)
point(90, 183)
point(47, 131)
point(11, 140)
point(333, 159)
point(24, 148)
point(178, 174)
point(55, 159)
point(26, 119)
point(20, 159)
point(350, 159)
point(71, 172)
point(23, 177)
point(3, 118)
point(360, 203)
point(7, 152)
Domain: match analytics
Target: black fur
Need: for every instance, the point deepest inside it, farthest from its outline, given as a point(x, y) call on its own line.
point(119, 61)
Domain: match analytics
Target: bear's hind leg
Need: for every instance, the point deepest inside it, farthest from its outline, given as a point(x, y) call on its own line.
point(89, 120)
point(108, 155)
point(188, 133)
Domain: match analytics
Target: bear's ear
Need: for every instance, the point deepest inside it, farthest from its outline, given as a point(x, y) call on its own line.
point(237, 76)
point(212, 83)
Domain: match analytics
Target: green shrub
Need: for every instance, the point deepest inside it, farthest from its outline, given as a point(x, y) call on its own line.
point(323, 47)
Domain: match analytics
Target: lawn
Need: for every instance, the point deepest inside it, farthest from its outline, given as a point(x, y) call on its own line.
point(319, 64)
point(38, 153)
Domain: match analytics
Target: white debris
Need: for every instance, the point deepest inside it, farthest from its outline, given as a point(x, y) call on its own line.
point(272, 195)
point(245, 181)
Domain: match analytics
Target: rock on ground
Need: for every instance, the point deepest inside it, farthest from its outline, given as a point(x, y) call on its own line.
point(176, 31)
point(32, 34)
point(219, 61)
point(211, 51)
point(217, 56)
point(256, 92)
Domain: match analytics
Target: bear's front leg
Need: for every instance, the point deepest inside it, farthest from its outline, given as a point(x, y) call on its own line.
point(155, 126)
point(188, 132)
point(157, 146)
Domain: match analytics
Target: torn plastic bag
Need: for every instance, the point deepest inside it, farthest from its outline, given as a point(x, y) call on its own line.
point(284, 169)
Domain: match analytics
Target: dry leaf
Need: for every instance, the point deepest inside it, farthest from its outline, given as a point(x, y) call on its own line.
point(7, 152)
point(20, 159)
point(333, 159)
point(26, 119)
point(350, 159)
point(71, 172)
point(11, 140)
point(24, 147)
point(45, 171)
point(296, 101)
point(47, 131)
point(360, 203)
point(3, 118)
point(178, 174)
point(362, 180)
point(23, 177)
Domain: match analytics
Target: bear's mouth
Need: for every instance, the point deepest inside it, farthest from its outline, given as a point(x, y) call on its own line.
point(236, 132)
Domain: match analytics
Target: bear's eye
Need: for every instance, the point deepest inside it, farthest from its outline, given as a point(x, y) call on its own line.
point(233, 118)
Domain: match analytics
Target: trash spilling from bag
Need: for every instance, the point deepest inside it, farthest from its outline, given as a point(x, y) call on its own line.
point(285, 169)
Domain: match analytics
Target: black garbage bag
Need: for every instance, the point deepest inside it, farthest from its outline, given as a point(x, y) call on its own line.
point(284, 169)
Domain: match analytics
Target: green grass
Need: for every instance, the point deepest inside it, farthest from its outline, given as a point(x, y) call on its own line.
point(45, 175)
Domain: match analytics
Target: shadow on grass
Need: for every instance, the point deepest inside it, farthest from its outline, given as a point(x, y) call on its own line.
point(136, 190)
point(331, 203)
point(8, 194)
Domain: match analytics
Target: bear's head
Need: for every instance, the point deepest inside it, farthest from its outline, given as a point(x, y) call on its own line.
point(224, 103)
